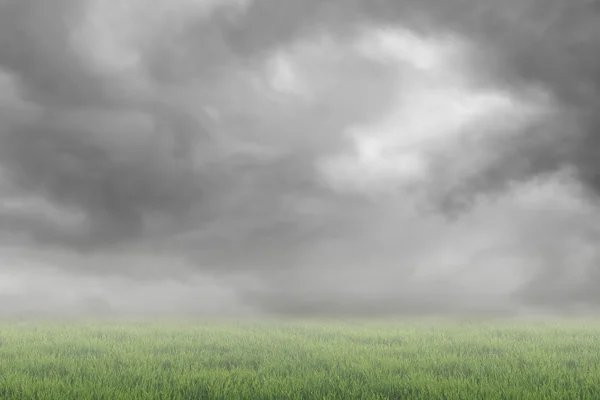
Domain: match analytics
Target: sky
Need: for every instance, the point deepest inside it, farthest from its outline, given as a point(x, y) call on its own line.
point(286, 157)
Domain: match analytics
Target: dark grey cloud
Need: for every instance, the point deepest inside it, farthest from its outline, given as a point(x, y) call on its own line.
point(36, 48)
point(135, 155)
point(77, 153)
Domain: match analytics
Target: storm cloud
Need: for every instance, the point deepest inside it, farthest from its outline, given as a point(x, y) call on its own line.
point(343, 157)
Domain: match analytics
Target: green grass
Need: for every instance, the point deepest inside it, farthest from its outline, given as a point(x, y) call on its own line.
point(410, 359)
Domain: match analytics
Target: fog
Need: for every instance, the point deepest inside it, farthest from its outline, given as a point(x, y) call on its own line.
point(290, 157)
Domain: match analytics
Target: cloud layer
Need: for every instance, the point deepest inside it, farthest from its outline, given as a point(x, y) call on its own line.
point(309, 157)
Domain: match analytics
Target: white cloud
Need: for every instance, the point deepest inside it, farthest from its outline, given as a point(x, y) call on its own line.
point(282, 75)
point(436, 105)
point(403, 46)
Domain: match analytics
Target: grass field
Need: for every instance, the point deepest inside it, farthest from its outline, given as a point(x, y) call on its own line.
point(310, 359)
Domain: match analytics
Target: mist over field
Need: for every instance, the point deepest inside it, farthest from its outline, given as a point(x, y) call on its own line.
point(341, 157)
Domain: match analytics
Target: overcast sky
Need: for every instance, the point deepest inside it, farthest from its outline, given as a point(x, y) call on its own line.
point(299, 156)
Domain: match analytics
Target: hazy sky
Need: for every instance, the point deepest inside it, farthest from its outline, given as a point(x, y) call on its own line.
point(299, 156)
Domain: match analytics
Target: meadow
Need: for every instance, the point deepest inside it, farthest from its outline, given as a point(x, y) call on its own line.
point(299, 359)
